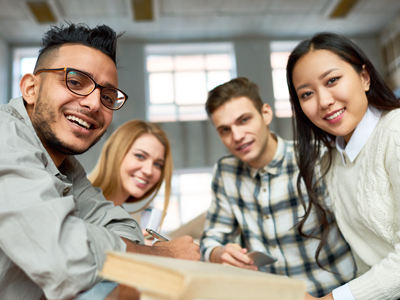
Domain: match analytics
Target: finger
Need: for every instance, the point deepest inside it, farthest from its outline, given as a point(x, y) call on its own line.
point(228, 259)
point(238, 255)
point(234, 246)
point(250, 267)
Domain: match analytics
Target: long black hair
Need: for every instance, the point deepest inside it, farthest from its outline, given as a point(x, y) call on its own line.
point(311, 140)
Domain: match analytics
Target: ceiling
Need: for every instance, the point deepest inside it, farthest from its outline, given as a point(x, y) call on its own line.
point(180, 20)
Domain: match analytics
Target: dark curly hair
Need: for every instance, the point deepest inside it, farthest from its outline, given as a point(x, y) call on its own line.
point(101, 37)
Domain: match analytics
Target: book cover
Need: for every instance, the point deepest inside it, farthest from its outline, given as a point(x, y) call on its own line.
point(167, 278)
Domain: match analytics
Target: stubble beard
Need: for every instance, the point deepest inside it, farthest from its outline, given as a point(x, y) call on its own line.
point(261, 151)
point(42, 119)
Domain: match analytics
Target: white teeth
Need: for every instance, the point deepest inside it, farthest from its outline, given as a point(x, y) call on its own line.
point(140, 180)
point(80, 121)
point(335, 115)
point(244, 146)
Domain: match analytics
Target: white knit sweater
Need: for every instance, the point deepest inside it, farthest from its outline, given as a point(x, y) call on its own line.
point(366, 201)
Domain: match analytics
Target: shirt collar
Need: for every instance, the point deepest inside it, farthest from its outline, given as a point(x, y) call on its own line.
point(360, 135)
point(276, 163)
point(18, 104)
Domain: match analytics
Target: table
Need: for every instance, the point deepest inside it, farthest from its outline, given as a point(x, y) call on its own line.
point(107, 290)
point(123, 292)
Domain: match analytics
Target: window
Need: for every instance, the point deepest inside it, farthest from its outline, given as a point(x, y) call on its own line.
point(280, 52)
point(24, 61)
point(190, 197)
point(180, 75)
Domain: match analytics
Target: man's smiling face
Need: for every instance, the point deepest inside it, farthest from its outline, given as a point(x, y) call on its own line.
point(243, 130)
point(67, 123)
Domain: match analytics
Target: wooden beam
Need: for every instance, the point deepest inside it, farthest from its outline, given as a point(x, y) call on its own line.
point(41, 11)
point(142, 10)
point(343, 8)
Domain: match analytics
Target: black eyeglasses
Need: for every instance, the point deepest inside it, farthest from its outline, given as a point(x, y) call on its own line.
point(82, 84)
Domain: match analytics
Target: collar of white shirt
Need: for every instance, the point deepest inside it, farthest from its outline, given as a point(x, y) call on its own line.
point(360, 135)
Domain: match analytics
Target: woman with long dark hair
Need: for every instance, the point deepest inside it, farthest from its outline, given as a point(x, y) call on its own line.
point(347, 125)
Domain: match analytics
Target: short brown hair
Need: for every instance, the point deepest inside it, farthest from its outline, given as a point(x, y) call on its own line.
point(238, 87)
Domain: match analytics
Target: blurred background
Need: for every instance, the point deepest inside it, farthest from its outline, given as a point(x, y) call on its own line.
point(174, 51)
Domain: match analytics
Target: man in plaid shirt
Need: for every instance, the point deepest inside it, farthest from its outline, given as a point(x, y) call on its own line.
point(255, 198)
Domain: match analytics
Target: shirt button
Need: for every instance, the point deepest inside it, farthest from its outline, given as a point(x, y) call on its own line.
point(66, 191)
point(266, 217)
point(264, 190)
point(274, 246)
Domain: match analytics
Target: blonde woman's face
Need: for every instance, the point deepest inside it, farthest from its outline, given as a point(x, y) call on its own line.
point(142, 166)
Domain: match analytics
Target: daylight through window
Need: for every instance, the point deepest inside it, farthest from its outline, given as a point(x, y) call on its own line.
point(179, 77)
point(24, 60)
point(280, 52)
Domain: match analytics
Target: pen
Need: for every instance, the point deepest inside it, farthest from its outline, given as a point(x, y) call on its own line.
point(157, 235)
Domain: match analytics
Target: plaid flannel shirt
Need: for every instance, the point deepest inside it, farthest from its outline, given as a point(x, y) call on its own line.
point(262, 206)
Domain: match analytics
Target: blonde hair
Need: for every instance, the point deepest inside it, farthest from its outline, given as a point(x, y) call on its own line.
point(106, 174)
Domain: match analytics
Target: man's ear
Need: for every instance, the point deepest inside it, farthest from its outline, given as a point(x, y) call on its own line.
point(365, 78)
point(29, 86)
point(267, 113)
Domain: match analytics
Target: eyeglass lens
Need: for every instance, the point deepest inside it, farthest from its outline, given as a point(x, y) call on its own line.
point(83, 85)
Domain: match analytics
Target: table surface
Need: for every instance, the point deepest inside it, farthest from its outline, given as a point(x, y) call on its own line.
point(107, 290)
point(123, 292)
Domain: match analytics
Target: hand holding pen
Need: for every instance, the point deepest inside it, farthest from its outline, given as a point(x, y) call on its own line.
point(182, 247)
point(157, 235)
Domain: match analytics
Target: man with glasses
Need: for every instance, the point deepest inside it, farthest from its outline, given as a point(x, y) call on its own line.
point(54, 226)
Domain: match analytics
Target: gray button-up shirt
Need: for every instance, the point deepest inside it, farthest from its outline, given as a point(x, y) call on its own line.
point(54, 225)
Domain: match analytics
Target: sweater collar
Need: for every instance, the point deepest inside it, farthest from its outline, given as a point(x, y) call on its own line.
point(360, 135)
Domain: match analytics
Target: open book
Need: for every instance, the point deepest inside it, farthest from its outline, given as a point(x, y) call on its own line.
point(175, 279)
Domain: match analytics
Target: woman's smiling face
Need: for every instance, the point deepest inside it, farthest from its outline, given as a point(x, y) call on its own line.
point(331, 92)
point(142, 166)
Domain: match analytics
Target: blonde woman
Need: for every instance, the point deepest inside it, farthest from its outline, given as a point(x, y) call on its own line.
point(133, 164)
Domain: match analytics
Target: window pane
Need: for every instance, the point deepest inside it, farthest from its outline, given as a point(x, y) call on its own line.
point(283, 109)
point(190, 87)
point(194, 205)
point(218, 62)
point(193, 183)
point(161, 88)
point(216, 78)
point(279, 60)
point(172, 219)
point(195, 195)
point(281, 91)
point(162, 113)
point(192, 113)
point(27, 65)
point(159, 63)
point(189, 62)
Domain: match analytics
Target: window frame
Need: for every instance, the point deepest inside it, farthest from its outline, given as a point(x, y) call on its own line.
point(280, 47)
point(20, 53)
point(183, 49)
